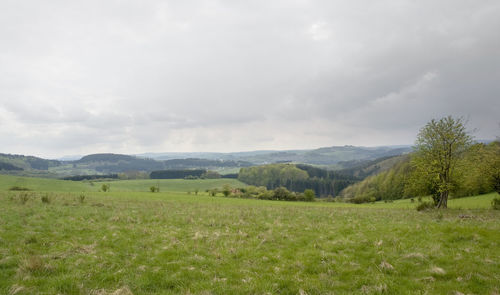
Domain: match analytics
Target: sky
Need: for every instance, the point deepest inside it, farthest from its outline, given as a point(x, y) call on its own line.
point(82, 77)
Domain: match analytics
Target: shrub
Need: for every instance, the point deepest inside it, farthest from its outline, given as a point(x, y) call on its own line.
point(281, 193)
point(425, 206)
point(309, 195)
point(495, 203)
point(81, 198)
point(226, 190)
point(267, 195)
point(105, 187)
point(330, 198)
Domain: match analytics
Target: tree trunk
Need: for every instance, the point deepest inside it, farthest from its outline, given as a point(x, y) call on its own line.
point(443, 200)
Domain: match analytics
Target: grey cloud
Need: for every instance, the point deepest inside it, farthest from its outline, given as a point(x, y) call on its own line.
point(134, 76)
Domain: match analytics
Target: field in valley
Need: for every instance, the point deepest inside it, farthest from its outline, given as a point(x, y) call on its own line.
point(131, 241)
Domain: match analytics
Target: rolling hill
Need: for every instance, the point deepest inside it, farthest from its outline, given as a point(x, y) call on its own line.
point(337, 157)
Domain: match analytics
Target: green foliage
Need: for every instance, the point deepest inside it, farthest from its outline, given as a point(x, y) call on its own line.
point(154, 189)
point(281, 193)
point(226, 190)
point(309, 195)
point(388, 185)
point(296, 178)
point(440, 146)
point(105, 187)
point(444, 164)
point(495, 203)
point(81, 198)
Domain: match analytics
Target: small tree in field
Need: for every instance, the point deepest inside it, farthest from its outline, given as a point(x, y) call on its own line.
point(105, 187)
point(440, 145)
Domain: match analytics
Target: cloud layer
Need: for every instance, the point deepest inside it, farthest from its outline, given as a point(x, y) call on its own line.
point(204, 75)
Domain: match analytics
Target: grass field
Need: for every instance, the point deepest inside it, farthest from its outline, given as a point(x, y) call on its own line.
point(132, 242)
point(143, 185)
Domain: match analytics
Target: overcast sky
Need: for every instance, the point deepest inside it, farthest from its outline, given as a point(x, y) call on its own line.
point(81, 77)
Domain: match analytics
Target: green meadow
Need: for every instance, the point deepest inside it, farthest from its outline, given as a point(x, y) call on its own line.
point(66, 237)
point(143, 185)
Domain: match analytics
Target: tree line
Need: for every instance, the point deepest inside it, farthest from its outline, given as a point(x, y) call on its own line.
point(297, 178)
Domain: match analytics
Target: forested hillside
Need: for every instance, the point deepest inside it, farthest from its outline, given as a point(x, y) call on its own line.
point(296, 178)
point(478, 172)
point(21, 162)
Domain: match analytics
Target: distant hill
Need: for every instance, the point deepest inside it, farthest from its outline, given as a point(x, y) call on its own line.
point(116, 163)
point(337, 157)
point(322, 156)
point(203, 163)
point(21, 162)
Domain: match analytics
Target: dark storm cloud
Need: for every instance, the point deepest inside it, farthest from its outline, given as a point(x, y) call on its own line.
point(135, 76)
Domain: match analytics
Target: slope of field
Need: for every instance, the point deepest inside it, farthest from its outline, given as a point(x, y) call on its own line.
point(175, 243)
point(173, 185)
point(44, 184)
point(474, 202)
point(143, 185)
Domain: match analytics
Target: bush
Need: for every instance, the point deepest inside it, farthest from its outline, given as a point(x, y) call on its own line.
point(267, 195)
point(81, 198)
point(425, 206)
point(281, 193)
point(105, 187)
point(309, 195)
point(495, 203)
point(226, 190)
point(330, 198)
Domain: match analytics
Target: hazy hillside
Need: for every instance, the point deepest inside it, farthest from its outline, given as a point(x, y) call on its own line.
point(322, 156)
point(20, 162)
point(340, 157)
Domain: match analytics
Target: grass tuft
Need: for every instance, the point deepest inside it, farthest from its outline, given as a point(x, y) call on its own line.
point(424, 206)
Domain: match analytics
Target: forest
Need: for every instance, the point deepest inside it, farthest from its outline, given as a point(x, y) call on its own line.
point(297, 177)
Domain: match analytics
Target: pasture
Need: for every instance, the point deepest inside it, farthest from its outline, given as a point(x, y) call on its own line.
point(129, 241)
